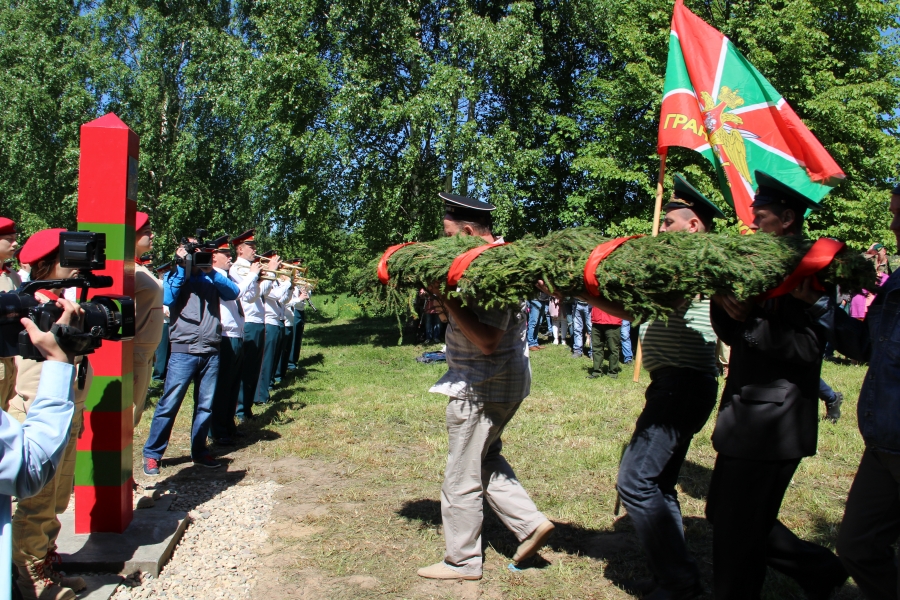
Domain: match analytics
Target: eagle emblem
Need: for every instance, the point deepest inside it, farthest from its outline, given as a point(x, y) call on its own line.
point(724, 135)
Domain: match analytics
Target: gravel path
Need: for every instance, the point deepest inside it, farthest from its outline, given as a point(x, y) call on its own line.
point(215, 558)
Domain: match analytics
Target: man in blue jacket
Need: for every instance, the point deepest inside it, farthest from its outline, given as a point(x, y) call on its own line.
point(31, 451)
point(871, 526)
point(195, 332)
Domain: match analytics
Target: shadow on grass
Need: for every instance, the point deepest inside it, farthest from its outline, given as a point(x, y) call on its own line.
point(694, 479)
point(619, 548)
point(366, 331)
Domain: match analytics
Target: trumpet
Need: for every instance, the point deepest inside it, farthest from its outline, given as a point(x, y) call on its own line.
point(301, 270)
point(273, 274)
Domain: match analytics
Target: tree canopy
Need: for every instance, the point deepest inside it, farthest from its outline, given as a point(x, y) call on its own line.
point(330, 125)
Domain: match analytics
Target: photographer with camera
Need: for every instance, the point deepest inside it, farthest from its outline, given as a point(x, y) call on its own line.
point(192, 294)
point(148, 322)
point(35, 525)
point(30, 452)
point(9, 281)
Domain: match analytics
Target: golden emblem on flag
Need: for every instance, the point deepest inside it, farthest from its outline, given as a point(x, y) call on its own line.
point(722, 130)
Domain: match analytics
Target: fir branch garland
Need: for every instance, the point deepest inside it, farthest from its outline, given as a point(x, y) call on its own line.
point(647, 275)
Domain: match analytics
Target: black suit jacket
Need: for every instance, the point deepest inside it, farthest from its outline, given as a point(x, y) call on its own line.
point(769, 408)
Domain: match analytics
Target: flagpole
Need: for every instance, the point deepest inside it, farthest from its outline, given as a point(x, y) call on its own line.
point(657, 209)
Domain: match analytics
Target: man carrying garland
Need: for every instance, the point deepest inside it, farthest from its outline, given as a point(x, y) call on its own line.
point(768, 422)
point(489, 374)
point(680, 355)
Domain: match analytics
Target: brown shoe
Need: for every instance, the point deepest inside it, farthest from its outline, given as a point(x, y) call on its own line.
point(442, 571)
point(53, 561)
point(535, 347)
point(34, 584)
point(533, 542)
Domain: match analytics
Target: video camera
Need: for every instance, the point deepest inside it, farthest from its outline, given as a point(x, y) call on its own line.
point(199, 253)
point(105, 317)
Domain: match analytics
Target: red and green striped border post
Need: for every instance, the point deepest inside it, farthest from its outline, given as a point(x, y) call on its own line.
point(107, 200)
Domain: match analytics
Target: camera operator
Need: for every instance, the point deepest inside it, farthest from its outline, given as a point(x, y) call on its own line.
point(31, 451)
point(9, 281)
point(35, 525)
point(148, 322)
point(195, 333)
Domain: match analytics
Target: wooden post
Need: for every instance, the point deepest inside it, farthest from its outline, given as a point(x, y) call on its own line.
point(657, 210)
point(107, 199)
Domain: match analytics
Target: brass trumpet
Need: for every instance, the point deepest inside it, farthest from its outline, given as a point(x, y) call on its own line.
point(301, 270)
point(296, 277)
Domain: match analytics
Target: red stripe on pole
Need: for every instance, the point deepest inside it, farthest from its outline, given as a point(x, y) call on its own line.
point(600, 252)
point(462, 262)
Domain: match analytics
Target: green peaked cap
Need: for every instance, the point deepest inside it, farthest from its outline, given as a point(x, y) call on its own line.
point(687, 196)
point(772, 191)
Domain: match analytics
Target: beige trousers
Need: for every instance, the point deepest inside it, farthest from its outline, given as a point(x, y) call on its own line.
point(143, 370)
point(35, 526)
point(475, 470)
point(7, 381)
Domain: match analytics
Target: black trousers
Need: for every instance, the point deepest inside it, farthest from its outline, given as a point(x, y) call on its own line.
point(744, 499)
point(871, 526)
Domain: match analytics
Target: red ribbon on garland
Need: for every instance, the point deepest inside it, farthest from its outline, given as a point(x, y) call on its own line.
point(383, 276)
point(599, 253)
point(462, 262)
point(817, 258)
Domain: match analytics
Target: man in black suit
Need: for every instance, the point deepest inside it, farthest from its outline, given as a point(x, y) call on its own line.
point(767, 422)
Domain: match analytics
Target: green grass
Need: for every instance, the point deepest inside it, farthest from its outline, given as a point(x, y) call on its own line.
point(361, 403)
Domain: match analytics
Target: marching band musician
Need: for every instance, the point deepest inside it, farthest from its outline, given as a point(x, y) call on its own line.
point(274, 319)
point(254, 322)
point(298, 303)
point(9, 282)
point(148, 314)
point(287, 337)
point(35, 525)
point(231, 354)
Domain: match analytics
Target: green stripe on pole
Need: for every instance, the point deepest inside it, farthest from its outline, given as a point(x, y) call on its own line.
point(108, 395)
point(118, 237)
point(103, 468)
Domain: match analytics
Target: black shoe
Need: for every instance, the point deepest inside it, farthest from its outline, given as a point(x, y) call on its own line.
point(833, 408)
point(225, 441)
point(577, 355)
point(207, 461)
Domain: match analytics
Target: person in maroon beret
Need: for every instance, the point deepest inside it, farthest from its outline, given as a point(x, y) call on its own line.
point(148, 314)
point(9, 281)
point(35, 524)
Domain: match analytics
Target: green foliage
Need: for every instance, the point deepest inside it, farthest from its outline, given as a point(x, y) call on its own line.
point(646, 275)
point(330, 125)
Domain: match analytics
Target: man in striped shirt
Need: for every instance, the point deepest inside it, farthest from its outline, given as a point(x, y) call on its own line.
point(680, 355)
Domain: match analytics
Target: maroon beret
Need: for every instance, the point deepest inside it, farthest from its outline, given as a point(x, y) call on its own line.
point(40, 245)
point(141, 219)
point(7, 226)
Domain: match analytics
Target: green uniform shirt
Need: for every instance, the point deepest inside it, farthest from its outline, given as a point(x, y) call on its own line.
point(686, 341)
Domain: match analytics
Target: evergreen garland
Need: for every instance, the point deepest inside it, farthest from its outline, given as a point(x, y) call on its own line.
point(646, 275)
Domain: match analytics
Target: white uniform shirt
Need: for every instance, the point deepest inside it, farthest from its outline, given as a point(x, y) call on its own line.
point(232, 321)
point(252, 301)
point(278, 294)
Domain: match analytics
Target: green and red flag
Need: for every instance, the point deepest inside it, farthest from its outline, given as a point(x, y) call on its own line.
point(715, 102)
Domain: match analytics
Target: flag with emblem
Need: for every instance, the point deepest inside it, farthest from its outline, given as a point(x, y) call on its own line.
point(716, 103)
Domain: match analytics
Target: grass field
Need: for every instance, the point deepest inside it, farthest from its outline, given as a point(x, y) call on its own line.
point(360, 410)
